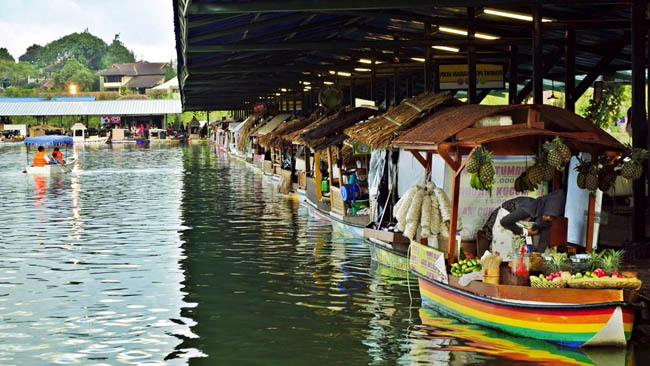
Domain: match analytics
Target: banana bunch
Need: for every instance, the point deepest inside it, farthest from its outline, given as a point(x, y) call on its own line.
point(476, 183)
point(522, 184)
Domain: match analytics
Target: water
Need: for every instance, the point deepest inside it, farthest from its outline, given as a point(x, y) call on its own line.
point(177, 256)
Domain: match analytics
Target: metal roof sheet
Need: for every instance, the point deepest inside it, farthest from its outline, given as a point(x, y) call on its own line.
point(91, 108)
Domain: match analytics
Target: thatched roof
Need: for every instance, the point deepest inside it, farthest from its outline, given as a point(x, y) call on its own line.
point(456, 125)
point(294, 136)
point(246, 130)
point(331, 133)
point(380, 131)
point(274, 139)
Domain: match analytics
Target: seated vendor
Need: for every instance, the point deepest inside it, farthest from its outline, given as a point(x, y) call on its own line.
point(40, 158)
point(57, 157)
point(541, 211)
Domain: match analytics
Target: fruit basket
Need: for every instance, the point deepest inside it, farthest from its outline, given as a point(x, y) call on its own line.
point(605, 283)
point(539, 282)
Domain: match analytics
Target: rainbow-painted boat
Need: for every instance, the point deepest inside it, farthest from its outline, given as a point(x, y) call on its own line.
point(571, 317)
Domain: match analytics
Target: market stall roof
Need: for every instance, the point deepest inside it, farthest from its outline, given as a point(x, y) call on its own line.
point(232, 53)
point(91, 108)
point(294, 136)
point(322, 136)
point(528, 125)
point(271, 125)
point(49, 140)
point(275, 138)
point(234, 126)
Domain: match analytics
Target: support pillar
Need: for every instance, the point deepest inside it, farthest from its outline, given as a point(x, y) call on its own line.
point(639, 122)
point(373, 79)
point(538, 75)
point(428, 60)
point(512, 75)
point(570, 67)
point(387, 93)
point(471, 59)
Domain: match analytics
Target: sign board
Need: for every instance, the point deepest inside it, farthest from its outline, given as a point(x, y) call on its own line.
point(113, 120)
point(474, 206)
point(358, 102)
point(428, 262)
point(456, 76)
point(258, 107)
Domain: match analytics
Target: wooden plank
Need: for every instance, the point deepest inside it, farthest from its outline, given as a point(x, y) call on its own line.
point(443, 151)
point(330, 166)
point(591, 214)
point(317, 176)
point(339, 162)
point(338, 206)
point(453, 222)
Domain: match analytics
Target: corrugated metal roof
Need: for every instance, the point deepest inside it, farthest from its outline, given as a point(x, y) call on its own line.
point(272, 124)
point(92, 108)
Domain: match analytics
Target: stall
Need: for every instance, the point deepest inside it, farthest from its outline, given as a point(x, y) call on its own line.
point(594, 308)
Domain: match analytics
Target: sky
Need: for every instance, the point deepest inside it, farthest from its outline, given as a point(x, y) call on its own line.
point(145, 26)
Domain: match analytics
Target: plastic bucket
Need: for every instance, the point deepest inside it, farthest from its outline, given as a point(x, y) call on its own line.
point(350, 192)
point(324, 187)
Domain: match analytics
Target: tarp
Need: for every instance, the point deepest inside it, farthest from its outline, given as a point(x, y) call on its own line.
point(50, 140)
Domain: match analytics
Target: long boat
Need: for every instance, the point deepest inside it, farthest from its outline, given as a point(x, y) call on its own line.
point(568, 316)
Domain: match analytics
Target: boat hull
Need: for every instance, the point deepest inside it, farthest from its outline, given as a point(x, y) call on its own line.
point(604, 324)
point(53, 169)
point(381, 253)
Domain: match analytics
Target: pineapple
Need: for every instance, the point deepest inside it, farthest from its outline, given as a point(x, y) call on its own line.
point(594, 261)
point(582, 168)
point(612, 260)
point(564, 150)
point(606, 177)
point(553, 155)
point(591, 182)
point(535, 173)
point(558, 262)
point(632, 167)
point(549, 172)
point(475, 162)
point(486, 174)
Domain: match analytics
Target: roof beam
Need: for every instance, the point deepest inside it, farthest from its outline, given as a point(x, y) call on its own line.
point(609, 55)
point(354, 45)
point(249, 26)
point(342, 5)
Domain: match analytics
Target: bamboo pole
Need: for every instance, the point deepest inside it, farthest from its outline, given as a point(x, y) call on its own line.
point(453, 222)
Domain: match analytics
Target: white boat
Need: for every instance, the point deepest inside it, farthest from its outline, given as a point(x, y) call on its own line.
point(51, 141)
point(79, 136)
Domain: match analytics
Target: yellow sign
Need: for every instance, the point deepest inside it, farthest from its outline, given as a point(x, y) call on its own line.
point(488, 76)
point(428, 262)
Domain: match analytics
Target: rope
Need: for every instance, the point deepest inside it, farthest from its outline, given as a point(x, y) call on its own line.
point(393, 121)
point(413, 106)
point(408, 280)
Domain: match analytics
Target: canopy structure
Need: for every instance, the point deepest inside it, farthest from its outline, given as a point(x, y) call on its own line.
point(271, 125)
point(49, 140)
point(325, 135)
point(90, 108)
point(78, 126)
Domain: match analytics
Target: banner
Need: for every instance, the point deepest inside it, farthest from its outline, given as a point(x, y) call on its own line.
point(428, 262)
point(456, 76)
point(474, 206)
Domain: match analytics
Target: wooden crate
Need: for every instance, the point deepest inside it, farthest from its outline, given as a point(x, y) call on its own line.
point(302, 180)
point(338, 205)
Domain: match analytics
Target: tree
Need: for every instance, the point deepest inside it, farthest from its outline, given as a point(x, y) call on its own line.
point(5, 55)
point(16, 73)
point(85, 47)
point(75, 72)
point(116, 53)
point(170, 73)
point(32, 54)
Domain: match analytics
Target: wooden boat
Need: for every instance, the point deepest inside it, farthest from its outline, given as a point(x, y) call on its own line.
point(571, 317)
point(388, 248)
point(50, 141)
point(567, 316)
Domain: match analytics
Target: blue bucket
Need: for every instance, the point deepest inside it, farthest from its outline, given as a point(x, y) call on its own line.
point(350, 192)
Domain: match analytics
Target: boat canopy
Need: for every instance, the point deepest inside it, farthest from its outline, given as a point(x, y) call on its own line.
point(49, 140)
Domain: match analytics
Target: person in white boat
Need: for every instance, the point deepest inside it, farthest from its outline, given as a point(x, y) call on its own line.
point(57, 157)
point(41, 158)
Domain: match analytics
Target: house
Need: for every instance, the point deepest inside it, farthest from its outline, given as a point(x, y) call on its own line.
point(137, 76)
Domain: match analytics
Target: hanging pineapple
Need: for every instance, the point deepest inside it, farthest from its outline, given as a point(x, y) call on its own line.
point(535, 174)
point(582, 168)
point(475, 161)
point(606, 176)
point(483, 176)
point(591, 178)
point(557, 153)
point(632, 167)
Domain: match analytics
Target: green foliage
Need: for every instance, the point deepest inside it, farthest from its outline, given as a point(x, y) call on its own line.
point(116, 53)
point(32, 54)
point(124, 90)
point(16, 73)
point(14, 91)
point(170, 73)
point(75, 72)
point(606, 113)
point(85, 47)
point(5, 55)
point(157, 94)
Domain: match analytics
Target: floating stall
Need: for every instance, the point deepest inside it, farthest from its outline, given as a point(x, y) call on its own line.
point(43, 130)
point(194, 135)
point(78, 131)
point(11, 134)
point(594, 308)
point(264, 160)
point(391, 170)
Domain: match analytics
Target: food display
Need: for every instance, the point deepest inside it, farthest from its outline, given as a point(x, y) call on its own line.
point(424, 211)
point(465, 266)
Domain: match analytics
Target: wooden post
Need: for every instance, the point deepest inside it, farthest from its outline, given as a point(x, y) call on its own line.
point(307, 165)
point(317, 176)
point(512, 76)
point(373, 78)
point(427, 168)
point(387, 93)
point(331, 167)
point(591, 215)
point(453, 222)
point(471, 59)
point(409, 87)
point(339, 163)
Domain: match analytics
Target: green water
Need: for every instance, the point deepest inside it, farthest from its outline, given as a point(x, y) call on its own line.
point(176, 256)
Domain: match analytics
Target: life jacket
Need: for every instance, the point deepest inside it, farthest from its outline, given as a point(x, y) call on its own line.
point(58, 155)
point(39, 159)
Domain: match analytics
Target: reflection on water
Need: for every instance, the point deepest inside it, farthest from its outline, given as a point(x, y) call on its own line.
point(179, 256)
